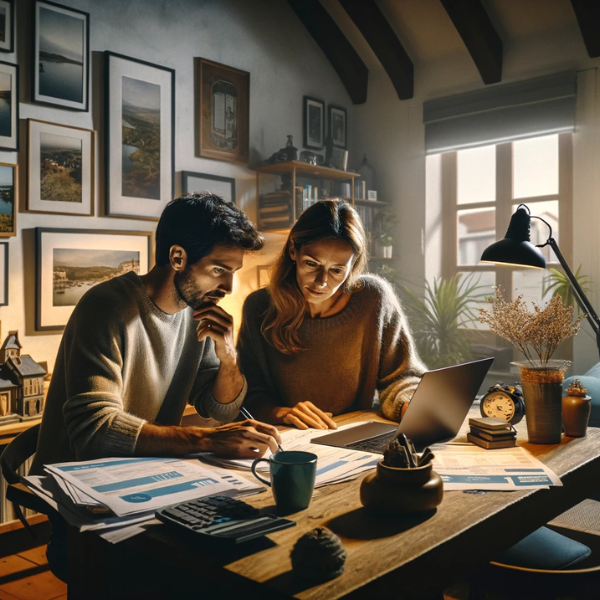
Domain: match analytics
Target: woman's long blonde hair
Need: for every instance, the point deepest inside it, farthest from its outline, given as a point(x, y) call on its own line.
point(324, 219)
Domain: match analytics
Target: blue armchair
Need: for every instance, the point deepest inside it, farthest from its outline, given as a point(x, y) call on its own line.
point(591, 381)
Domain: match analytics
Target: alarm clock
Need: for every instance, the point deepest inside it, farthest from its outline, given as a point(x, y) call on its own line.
point(503, 402)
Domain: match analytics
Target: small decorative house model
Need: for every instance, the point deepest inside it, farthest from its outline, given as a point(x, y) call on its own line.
point(21, 380)
point(8, 401)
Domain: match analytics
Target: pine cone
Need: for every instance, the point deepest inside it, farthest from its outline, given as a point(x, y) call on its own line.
point(318, 555)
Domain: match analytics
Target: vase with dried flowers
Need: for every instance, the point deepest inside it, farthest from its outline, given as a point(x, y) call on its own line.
point(537, 334)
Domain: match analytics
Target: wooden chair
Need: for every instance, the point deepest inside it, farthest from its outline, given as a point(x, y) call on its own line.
point(522, 582)
point(14, 455)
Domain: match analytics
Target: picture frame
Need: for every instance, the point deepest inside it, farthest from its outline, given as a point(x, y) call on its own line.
point(60, 169)
point(224, 112)
point(263, 275)
point(192, 183)
point(7, 26)
point(9, 106)
point(61, 56)
point(3, 273)
point(313, 123)
point(337, 118)
point(60, 285)
point(140, 137)
point(9, 199)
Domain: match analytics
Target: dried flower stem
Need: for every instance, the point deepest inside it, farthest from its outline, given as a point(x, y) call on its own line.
point(537, 333)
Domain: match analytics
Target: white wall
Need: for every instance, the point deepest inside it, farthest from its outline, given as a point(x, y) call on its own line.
point(263, 37)
point(392, 134)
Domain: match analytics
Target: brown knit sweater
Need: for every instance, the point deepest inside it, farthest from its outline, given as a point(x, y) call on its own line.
point(365, 347)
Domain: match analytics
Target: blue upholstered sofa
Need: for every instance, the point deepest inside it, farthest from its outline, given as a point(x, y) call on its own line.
point(591, 381)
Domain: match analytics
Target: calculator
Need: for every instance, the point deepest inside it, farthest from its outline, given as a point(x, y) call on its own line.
point(220, 519)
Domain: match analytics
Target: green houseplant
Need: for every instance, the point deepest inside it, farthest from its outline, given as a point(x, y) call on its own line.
point(558, 283)
point(440, 318)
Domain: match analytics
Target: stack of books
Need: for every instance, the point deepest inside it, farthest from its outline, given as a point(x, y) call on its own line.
point(491, 433)
point(275, 210)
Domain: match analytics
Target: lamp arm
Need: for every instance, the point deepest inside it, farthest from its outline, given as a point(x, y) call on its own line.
point(581, 298)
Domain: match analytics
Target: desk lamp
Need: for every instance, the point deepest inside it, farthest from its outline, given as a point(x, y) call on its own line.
point(517, 250)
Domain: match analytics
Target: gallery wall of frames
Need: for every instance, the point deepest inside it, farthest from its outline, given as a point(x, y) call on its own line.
point(108, 110)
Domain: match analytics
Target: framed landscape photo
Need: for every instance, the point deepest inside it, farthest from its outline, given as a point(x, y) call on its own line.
point(61, 56)
point(9, 198)
point(224, 113)
point(337, 126)
point(3, 273)
point(195, 183)
point(71, 261)
point(313, 123)
point(7, 26)
point(9, 106)
point(140, 137)
point(60, 174)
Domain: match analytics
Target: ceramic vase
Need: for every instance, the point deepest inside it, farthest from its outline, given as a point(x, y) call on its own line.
point(576, 412)
point(395, 490)
point(542, 393)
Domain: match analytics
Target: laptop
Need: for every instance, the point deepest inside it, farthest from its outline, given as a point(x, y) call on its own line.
point(435, 414)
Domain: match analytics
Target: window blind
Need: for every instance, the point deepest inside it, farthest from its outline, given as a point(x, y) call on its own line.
point(501, 113)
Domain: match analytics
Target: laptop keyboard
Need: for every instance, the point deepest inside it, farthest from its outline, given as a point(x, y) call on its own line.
point(375, 444)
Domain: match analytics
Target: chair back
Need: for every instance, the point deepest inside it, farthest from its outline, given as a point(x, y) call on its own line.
point(17, 452)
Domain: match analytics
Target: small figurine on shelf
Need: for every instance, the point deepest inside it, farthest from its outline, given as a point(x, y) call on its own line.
point(23, 380)
point(289, 152)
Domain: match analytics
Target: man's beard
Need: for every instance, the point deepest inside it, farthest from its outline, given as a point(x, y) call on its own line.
point(188, 293)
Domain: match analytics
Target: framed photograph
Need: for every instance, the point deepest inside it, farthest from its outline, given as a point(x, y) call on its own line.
point(9, 199)
point(9, 106)
point(193, 183)
point(313, 123)
point(61, 56)
point(224, 113)
point(140, 137)
point(71, 261)
point(60, 174)
point(3, 273)
point(263, 275)
point(7, 26)
point(337, 126)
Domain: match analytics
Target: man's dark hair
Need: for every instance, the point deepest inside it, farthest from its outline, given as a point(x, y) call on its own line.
point(198, 223)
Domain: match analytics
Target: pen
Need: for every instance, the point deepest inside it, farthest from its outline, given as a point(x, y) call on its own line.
point(249, 416)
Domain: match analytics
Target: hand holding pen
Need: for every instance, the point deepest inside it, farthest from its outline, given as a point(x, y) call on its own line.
point(247, 415)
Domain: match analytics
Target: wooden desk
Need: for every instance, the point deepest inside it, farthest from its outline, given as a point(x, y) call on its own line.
point(404, 557)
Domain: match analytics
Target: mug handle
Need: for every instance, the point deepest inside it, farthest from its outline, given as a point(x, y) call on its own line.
point(254, 464)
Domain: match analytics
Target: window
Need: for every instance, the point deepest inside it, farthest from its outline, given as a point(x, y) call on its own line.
point(482, 187)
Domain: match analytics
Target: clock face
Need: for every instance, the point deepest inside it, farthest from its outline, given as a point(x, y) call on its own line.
point(499, 405)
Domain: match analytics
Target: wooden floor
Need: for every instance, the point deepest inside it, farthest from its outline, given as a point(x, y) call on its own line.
point(26, 576)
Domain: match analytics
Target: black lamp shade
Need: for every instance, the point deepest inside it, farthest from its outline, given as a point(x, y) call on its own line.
point(515, 248)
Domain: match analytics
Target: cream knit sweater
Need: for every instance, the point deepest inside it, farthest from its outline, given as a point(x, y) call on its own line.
point(122, 361)
point(366, 347)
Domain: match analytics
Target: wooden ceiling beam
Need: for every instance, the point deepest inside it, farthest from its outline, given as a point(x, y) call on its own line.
point(588, 17)
point(343, 57)
point(477, 32)
point(384, 42)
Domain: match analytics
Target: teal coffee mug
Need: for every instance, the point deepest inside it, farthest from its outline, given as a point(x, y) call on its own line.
point(292, 478)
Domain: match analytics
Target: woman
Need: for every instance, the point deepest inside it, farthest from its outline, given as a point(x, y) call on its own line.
point(323, 337)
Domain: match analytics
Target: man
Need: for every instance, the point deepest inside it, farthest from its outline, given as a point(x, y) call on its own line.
point(133, 354)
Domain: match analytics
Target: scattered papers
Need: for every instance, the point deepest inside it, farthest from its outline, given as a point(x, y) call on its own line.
point(474, 468)
point(334, 465)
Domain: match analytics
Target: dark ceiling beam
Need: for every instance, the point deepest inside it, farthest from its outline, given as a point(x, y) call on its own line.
point(343, 58)
point(384, 42)
point(588, 17)
point(478, 34)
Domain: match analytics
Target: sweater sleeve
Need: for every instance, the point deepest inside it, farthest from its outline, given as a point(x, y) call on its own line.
point(252, 355)
point(96, 422)
point(202, 398)
point(400, 368)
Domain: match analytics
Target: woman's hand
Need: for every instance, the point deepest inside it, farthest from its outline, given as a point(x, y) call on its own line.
point(306, 414)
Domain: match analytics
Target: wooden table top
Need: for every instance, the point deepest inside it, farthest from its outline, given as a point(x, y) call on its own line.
point(417, 556)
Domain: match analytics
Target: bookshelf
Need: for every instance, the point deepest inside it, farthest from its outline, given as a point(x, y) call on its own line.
point(279, 207)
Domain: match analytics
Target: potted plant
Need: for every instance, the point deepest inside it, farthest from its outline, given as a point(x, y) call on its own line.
point(386, 242)
point(440, 319)
point(536, 334)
